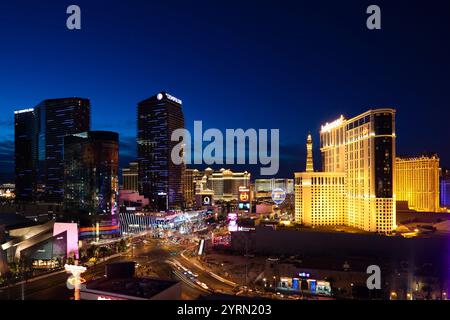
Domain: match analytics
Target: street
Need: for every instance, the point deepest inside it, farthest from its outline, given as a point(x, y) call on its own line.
point(158, 259)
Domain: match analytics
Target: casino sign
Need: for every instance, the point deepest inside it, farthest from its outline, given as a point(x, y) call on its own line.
point(278, 196)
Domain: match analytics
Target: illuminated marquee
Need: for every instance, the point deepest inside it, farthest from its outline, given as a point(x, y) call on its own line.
point(244, 194)
point(75, 280)
point(278, 196)
point(206, 200)
point(23, 111)
point(244, 197)
point(232, 222)
point(330, 126)
point(160, 96)
point(72, 237)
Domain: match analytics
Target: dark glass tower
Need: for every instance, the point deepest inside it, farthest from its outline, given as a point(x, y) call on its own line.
point(160, 179)
point(25, 154)
point(91, 182)
point(384, 127)
point(57, 118)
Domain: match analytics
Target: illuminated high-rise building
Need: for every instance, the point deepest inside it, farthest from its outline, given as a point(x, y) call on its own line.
point(358, 153)
point(320, 198)
point(57, 118)
point(25, 155)
point(130, 177)
point(39, 146)
point(417, 182)
point(364, 148)
point(91, 182)
point(160, 180)
point(190, 178)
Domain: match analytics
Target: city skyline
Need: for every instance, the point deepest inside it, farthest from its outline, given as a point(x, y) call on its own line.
point(214, 82)
point(216, 152)
point(132, 157)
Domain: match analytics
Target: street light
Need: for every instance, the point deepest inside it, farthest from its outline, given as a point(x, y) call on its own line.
point(393, 295)
point(75, 280)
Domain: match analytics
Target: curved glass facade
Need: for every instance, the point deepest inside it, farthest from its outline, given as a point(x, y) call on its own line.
point(91, 185)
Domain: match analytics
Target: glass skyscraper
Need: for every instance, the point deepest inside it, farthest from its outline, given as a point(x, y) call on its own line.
point(160, 180)
point(57, 118)
point(91, 182)
point(25, 154)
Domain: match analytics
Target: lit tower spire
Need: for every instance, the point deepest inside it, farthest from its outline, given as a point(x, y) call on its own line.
point(309, 156)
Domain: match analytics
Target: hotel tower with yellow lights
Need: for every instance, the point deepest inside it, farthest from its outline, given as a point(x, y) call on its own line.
point(320, 198)
point(417, 182)
point(356, 187)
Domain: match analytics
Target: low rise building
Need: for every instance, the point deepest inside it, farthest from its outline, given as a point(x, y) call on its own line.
point(121, 283)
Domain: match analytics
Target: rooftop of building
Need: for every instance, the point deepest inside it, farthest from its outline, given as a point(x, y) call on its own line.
point(354, 264)
point(162, 96)
point(422, 156)
point(340, 229)
point(66, 99)
point(320, 174)
point(93, 135)
point(144, 288)
point(342, 120)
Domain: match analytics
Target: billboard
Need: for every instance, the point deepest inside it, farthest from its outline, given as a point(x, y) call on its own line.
point(232, 222)
point(278, 196)
point(244, 206)
point(244, 195)
point(206, 200)
point(72, 237)
point(244, 199)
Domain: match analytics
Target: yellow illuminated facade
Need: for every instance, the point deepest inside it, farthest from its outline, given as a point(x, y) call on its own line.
point(320, 198)
point(130, 177)
point(224, 183)
point(190, 177)
point(417, 182)
point(358, 157)
point(309, 155)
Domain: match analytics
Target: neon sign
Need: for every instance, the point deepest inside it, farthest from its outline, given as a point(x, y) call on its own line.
point(23, 111)
point(336, 123)
point(75, 280)
point(232, 222)
point(172, 98)
point(278, 196)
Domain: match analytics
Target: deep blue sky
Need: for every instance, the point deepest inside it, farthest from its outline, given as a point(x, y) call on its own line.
point(291, 65)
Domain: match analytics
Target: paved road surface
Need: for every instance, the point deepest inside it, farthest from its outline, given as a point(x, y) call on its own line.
point(54, 287)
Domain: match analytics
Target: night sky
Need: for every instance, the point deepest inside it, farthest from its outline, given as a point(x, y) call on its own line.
point(291, 65)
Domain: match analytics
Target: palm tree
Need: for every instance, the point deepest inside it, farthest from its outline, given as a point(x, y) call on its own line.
point(122, 246)
point(103, 252)
point(332, 281)
point(91, 252)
